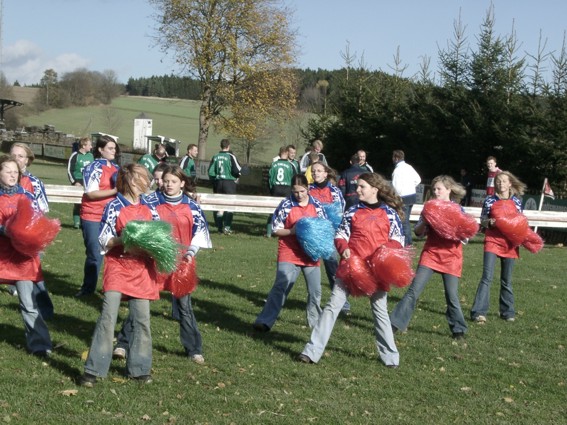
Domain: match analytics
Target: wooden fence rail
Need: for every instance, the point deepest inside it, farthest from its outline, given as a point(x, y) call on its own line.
point(267, 204)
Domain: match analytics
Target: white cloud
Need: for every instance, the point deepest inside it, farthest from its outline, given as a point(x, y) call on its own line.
point(26, 62)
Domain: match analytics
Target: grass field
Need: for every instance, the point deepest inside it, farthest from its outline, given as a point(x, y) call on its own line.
point(503, 373)
point(174, 118)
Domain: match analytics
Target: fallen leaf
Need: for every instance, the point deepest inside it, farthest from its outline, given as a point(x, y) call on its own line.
point(69, 393)
point(508, 399)
point(146, 418)
point(466, 388)
point(84, 355)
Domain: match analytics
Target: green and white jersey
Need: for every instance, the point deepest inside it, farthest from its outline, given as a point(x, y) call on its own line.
point(78, 161)
point(281, 172)
point(188, 166)
point(224, 166)
point(150, 162)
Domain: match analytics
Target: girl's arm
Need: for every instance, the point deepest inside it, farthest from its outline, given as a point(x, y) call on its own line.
point(420, 228)
point(284, 232)
point(95, 195)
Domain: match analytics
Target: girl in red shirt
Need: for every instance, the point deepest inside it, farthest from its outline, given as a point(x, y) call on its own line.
point(439, 255)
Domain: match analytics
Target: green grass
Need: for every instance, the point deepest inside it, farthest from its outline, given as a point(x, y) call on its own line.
point(503, 373)
point(174, 118)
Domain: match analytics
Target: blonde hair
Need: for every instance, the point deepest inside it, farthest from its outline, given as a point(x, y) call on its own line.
point(458, 192)
point(518, 188)
point(132, 175)
point(386, 192)
point(29, 153)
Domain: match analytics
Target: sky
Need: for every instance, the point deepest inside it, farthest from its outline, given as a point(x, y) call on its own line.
point(118, 34)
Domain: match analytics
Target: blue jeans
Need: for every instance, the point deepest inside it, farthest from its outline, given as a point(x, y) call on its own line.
point(44, 303)
point(401, 315)
point(189, 334)
point(37, 334)
point(286, 275)
point(139, 360)
point(408, 204)
point(482, 299)
point(94, 257)
point(385, 343)
point(331, 267)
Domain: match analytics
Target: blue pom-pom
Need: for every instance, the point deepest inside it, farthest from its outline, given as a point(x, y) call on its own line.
point(334, 213)
point(316, 237)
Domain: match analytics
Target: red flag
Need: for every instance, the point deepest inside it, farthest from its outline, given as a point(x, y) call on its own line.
point(547, 190)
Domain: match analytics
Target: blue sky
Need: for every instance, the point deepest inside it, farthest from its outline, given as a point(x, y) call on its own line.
point(117, 34)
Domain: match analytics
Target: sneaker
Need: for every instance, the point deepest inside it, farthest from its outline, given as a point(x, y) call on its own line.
point(303, 358)
point(87, 380)
point(198, 358)
point(81, 293)
point(119, 353)
point(143, 379)
point(392, 366)
point(261, 327)
point(12, 290)
point(458, 336)
point(227, 231)
point(510, 319)
point(42, 354)
point(480, 319)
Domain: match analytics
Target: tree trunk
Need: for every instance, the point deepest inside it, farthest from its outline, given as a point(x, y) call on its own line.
point(204, 124)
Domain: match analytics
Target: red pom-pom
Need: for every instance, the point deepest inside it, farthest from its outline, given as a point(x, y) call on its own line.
point(184, 279)
point(533, 242)
point(448, 220)
point(392, 266)
point(357, 276)
point(30, 231)
point(511, 223)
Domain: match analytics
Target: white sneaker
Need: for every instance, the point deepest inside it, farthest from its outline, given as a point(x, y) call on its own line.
point(480, 319)
point(198, 358)
point(119, 353)
point(12, 290)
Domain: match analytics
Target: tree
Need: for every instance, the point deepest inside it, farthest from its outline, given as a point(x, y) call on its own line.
point(222, 43)
point(49, 89)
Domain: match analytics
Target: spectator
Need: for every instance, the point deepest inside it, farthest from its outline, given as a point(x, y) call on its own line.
point(313, 159)
point(77, 162)
point(492, 171)
point(467, 183)
point(317, 147)
point(224, 169)
point(188, 161)
point(150, 161)
point(348, 181)
point(280, 175)
point(291, 153)
point(362, 161)
point(404, 180)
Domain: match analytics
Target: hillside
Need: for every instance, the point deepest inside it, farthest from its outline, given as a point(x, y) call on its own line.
point(173, 118)
point(24, 95)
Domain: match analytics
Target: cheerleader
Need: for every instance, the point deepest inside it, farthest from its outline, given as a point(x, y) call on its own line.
point(333, 201)
point(440, 255)
point(99, 180)
point(366, 226)
point(130, 276)
point(174, 204)
point(19, 269)
point(24, 156)
point(497, 245)
point(291, 257)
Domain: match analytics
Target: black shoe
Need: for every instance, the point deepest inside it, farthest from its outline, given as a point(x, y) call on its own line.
point(458, 336)
point(261, 327)
point(87, 380)
point(143, 379)
point(392, 366)
point(303, 358)
point(42, 354)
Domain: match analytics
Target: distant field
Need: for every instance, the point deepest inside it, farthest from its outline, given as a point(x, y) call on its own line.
point(173, 118)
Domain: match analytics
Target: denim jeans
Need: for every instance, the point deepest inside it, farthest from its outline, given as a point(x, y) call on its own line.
point(286, 275)
point(93, 261)
point(408, 204)
point(44, 303)
point(139, 360)
point(385, 343)
point(37, 334)
point(331, 267)
point(402, 313)
point(482, 299)
point(189, 334)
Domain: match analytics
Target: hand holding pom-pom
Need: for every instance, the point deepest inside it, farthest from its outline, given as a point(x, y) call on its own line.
point(533, 242)
point(392, 266)
point(357, 276)
point(448, 220)
point(511, 223)
point(184, 279)
point(316, 237)
point(30, 231)
point(155, 238)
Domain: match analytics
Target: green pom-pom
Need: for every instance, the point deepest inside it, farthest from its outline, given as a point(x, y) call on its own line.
point(155, 238)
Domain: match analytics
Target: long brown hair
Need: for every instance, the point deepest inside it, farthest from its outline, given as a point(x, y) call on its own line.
point(518, 188)
point(175, 170)
point(386, 192)
point(458, 192)
point(132, 175)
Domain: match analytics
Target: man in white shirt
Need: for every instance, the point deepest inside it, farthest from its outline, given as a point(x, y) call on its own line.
point(404, 180)
point(316, 146)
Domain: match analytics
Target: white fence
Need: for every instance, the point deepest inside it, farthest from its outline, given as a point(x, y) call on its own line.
point(267, 204)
